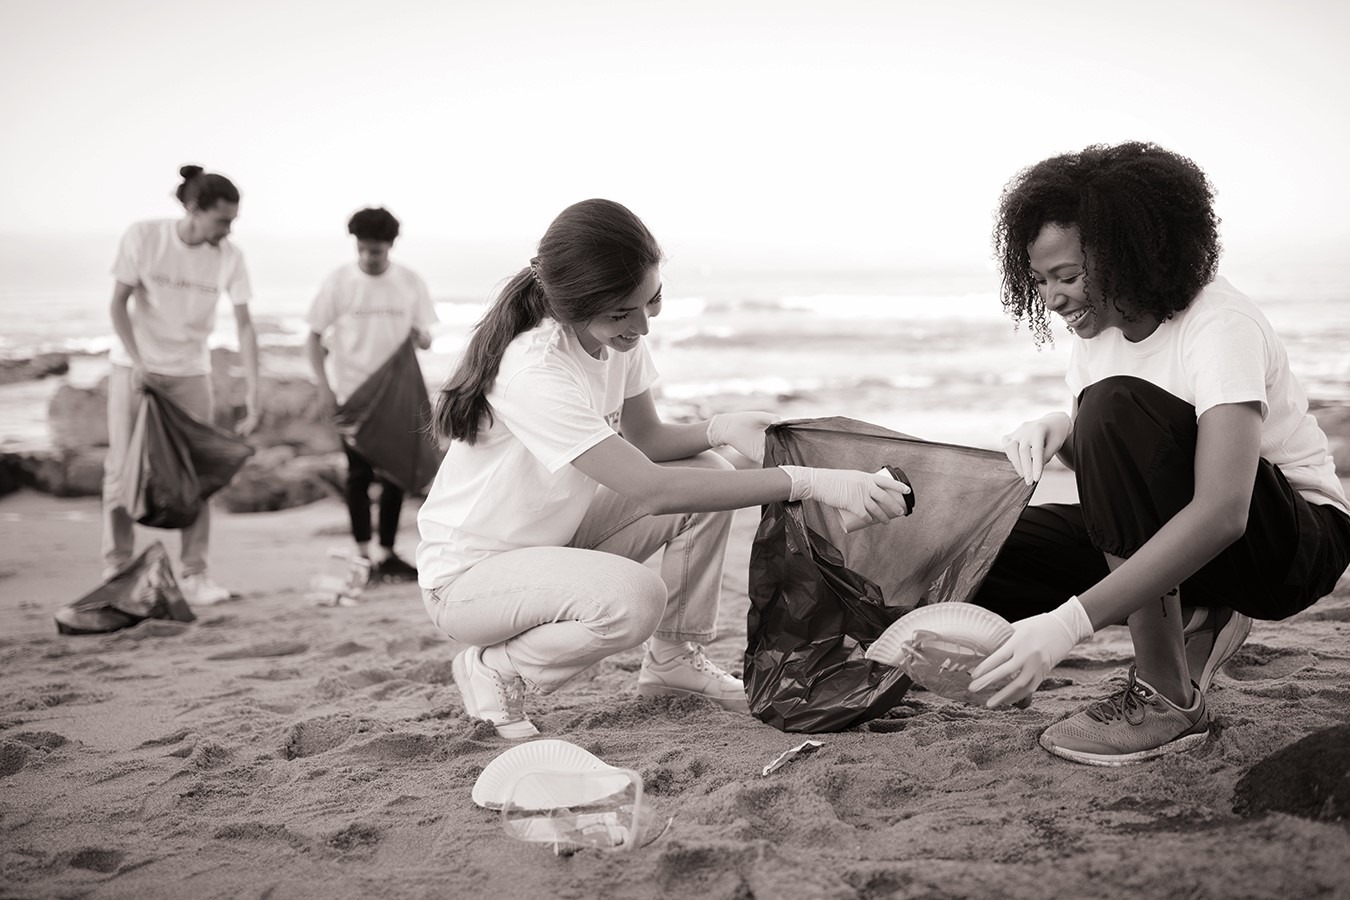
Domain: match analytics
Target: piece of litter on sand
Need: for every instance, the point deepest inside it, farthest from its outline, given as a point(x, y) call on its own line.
point(802, 749)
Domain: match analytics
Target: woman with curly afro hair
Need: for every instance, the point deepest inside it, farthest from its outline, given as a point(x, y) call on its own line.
point(1202, 478)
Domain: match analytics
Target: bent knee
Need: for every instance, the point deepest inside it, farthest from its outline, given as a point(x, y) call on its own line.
point(640, 601)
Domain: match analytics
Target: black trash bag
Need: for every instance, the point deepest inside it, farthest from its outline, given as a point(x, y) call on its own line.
point(387, 420)
point(175, 462)
point(819, 596)
point(142, 589)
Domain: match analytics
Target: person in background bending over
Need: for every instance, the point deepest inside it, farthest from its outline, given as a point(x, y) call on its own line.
point(363, 313)
point(1202, 478)
point(561, 478)
point(170, 274)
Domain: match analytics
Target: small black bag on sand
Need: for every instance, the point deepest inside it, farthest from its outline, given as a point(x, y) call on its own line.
point(819, 596)
point(143, 589)
point(387, 421)
point(175, 462)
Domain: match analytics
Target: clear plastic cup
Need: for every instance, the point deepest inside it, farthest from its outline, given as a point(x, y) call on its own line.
point(571, 811)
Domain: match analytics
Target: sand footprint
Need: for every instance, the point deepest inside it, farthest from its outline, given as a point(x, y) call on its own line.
point(96, 859)
point(1255, 662)
point(319, 735)
point(264, 650)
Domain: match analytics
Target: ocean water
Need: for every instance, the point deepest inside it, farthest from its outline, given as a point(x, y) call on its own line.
point(927, 353)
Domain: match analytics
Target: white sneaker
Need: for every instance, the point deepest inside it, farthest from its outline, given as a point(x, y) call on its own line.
point(489, 696)
point(199, 590)
point(691, 674)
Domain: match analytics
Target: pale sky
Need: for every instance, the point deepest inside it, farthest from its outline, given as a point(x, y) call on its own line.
point(872, 133)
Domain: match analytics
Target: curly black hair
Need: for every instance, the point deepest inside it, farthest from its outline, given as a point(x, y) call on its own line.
point(1146, 219)
point(373, 224)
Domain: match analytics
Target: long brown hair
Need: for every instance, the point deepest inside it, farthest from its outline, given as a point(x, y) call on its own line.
point(593, 256)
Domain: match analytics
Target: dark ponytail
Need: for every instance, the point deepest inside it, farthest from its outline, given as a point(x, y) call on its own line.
point(204, 189)
point(463, 401)
point(593, 256)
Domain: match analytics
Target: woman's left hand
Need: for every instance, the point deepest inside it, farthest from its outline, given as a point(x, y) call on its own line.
point(742, 430)
point(1037, 645)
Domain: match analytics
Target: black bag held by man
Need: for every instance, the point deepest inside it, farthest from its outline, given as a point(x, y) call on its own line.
point(387, 421)
point(175, 462)
point(820, 595)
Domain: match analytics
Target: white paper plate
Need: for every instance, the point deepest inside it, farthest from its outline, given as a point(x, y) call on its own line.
point(498, 780)
point(965, 622)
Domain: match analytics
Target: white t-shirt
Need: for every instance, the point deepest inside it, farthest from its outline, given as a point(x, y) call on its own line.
point(177, 288)
point(364, 318)
point(515, 487)
point(1221, 349)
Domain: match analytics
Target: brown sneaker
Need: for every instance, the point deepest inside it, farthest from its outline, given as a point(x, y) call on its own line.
point(1213, 635)
point(1130, 726)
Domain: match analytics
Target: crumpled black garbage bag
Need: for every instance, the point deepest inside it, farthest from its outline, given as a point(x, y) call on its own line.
point(142, 589)
point(387, 420)
point(175, 462)
point(820, 596)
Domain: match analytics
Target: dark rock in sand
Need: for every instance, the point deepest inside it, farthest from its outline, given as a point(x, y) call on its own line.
point(33, 368)
point(1309, 778)
point(64, 473)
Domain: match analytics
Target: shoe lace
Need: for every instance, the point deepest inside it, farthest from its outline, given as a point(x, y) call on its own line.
point(699, 660)
point(511, 693)
point(1129, 703)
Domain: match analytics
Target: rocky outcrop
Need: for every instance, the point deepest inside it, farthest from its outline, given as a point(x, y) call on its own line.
point(33, 368)
point(299, 458)
point(276, 478)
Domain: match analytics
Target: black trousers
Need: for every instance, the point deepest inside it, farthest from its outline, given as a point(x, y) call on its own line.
point(1133, 446)
point(360, 476)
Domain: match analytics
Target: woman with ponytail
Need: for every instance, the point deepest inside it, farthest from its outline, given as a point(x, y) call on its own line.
point(561, 479)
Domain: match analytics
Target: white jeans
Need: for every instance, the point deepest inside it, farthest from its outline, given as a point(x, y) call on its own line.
point(193, 393)
point(558, 610)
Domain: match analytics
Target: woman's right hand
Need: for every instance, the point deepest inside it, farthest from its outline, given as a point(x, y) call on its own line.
point(873, 496)
point(1032, 444)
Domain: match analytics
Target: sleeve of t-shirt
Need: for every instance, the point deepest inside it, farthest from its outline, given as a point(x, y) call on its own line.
point(424, 311)
point(641, 372)
point(548, 412)
point(125, 267)
point(321, 309)
point(236, 281)
point(1225, 362)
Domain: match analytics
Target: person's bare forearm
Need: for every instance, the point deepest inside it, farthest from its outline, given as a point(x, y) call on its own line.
point(248, 350)
point(121, 320)
point(317, 356)
point(1188, 541)
point(670, 441)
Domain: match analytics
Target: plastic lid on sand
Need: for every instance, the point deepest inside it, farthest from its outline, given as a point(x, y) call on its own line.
point(938, 645)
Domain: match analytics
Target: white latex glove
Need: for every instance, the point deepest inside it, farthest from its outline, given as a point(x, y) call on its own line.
point(1033, 444)
point(1037, 645)
point(742, 430)
point(873, 496)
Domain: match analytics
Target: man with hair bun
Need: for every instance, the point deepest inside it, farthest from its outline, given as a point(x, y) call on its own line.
point(175, 270)
point(363, 314)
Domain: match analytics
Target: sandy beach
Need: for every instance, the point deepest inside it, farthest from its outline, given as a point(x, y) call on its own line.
point(275, 748)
